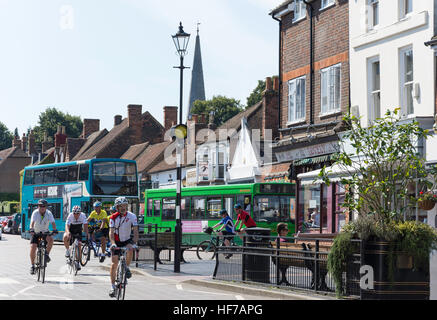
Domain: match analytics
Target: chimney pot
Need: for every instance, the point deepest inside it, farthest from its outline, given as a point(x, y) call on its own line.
point(276, 83)
point(268, 84)
point(117, 120)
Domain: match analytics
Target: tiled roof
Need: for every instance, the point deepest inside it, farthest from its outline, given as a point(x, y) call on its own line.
point(134, 151)
point(235, 122)
point(169, 164)
point(91, 140)
point(13, 152)
point(151, 155)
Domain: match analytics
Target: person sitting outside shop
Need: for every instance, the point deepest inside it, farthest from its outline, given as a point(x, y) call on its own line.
point(229, 231)
point(282, 229)
point(315, 218)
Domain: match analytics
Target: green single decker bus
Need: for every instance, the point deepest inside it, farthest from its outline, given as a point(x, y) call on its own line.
point(267, 203)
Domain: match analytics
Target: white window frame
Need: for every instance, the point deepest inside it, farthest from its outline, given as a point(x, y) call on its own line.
point(371, 4)
point(406, 87)
point(403, 5)
point(300, 10)
point(333, 102)
point(326, 4)
point(293, 115)
point(372, 91)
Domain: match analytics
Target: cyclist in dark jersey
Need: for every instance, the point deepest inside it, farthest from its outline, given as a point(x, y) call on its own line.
point(229, 227)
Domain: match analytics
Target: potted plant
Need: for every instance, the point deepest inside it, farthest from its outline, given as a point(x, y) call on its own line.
point(427, 200)
point(381, 168)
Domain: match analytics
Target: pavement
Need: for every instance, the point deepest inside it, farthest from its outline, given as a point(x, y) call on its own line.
point(199, 273)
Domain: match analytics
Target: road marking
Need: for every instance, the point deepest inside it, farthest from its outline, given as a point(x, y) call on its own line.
point(179, 287)
point(239, 297)
point(22, 291)
point(8, 281)
point(4, 295)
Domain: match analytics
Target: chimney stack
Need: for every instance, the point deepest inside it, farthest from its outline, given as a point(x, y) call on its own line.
point(16, 142)
point(24, 143)
point(90, 126)
point(135, 123)
point(117, 120)
point(60, 137)
point(170, 117)
point(270, 108)
point(46, 144)
point(269, 84)
point(31, 143)
point(276, 83)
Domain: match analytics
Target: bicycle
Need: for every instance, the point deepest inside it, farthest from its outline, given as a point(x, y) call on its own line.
point(41, 263)
point(207, 250)
point(73, 260)
point(121, 280)
point(94, 246)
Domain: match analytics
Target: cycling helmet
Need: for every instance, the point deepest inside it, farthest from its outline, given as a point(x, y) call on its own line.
point(237, 206)
point(113, 208)
point(42, 202)
point(77, 209)
point(97, 204)
point(222, 211)
point(120, 200)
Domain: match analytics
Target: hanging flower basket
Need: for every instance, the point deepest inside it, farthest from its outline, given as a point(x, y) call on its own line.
point(426, 204)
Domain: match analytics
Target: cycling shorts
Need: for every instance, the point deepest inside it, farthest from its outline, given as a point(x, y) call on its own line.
point(34, 239)
point(102, 233)
point(227, 233)
point(121, 245)
point(74, 236)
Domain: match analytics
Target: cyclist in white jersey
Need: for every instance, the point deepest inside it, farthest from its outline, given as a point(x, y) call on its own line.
point(121, 224)
point(39, 222)
point(76, 221)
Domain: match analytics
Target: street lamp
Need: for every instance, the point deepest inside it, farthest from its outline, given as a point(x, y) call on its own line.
point(180, 40)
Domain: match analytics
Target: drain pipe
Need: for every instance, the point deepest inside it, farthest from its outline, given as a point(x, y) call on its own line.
point(311, 62)
point(280, 70)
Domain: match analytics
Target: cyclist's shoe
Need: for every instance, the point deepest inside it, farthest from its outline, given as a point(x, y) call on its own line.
point(67, 253)
point(102, 258)
point(48, 258)
point(78, 267)
point(32, 270)
point(228, 256)
point(112, 293)
point(128, 273)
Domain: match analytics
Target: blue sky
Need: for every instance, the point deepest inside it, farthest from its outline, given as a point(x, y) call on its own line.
point(92, 58)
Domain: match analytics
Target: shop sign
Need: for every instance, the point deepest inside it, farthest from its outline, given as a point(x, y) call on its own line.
point(308, 152)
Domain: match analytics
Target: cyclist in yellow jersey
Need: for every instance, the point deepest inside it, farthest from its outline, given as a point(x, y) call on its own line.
point(101, 217)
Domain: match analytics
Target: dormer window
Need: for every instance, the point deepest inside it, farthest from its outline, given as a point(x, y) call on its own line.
point(300, 10)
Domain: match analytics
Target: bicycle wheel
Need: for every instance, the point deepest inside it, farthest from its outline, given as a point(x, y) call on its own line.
point(121, 281)
point(38, 264)
point(86, 255)
point(206, 250)
point(43, 264)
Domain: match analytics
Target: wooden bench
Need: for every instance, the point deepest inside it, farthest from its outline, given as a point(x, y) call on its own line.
point(303, 254)
point(164, 241)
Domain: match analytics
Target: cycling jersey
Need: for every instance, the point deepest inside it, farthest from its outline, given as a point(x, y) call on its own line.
point(75, 225)
point(122, 225)
point(100, 218)
point(41, 222)
point(229, 224)
point(247, 219)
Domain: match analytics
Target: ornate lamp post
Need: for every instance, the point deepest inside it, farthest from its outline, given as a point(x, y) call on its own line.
point(180, 40)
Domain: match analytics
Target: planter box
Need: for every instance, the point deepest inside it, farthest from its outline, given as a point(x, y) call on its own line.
point(408, 284)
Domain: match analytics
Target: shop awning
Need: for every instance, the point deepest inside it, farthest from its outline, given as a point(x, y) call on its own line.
point(336, 173)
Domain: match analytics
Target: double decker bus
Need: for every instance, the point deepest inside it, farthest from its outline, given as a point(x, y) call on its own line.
point(81, 183)
point(267, 203)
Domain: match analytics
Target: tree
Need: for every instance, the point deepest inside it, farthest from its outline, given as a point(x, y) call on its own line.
point(5, 137)
point(224, 108)
point(256, 94)
point(49, 121)
point(16, 134)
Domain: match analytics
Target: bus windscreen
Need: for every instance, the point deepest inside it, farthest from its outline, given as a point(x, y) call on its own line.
point(114, 178)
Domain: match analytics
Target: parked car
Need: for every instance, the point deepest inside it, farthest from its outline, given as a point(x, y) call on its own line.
point(8, 226)
point(0, 233)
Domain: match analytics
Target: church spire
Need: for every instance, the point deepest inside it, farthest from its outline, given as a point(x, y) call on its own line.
point(197, 91)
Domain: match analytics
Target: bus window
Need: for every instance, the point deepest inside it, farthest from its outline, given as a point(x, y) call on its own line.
point(168, 209)
point(84, 172)
point(214, 205)
point(28, 177)
point(61, 174)
point(185, 208)
point(287, 212)
point(197, 208)
point(228, 203)
point(49, 176)
point(245, 202)
point(86, 207)
point(38, 177)
point(72, 173)
point(157, 205)
point(266, 209)
point(149, 212)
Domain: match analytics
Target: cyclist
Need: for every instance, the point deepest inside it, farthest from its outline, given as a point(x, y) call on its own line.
point(73, 230)
point(101, 218)
point(121, 224)
point(229, 227)
point(39, 222)
point(244, 217)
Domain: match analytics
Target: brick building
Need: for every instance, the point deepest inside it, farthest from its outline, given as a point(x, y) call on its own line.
point(314, 91)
